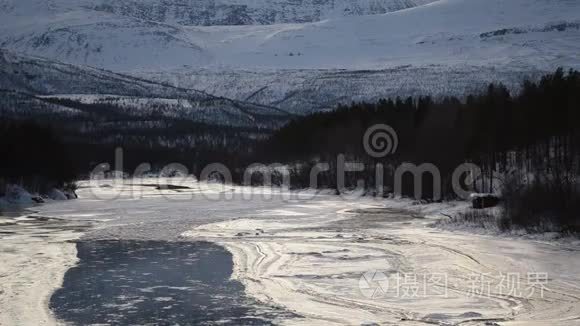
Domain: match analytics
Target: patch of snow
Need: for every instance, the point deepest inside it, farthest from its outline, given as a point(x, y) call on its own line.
point(16, 195)
point(56, 194)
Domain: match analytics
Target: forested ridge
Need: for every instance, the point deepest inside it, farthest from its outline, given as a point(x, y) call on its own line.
point(527, 144)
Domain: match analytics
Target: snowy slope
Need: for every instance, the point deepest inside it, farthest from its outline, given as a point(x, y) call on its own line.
point(248, 12)
point(27, 84)
point(214, 12)
point(151, 34)
point(530, 32)
point(445, 32)
point(304, 91)
point(104, 41)
point(441, 47)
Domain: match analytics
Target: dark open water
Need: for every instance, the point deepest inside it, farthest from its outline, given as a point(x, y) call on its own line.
point(155, 283)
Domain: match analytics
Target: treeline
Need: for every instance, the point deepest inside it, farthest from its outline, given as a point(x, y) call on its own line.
point(34, 157)
point(155, 133)
point(48, 142)
point(56, 152)
point(527, 144)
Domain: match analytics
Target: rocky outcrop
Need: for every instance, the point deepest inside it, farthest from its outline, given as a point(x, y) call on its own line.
point(480, 201)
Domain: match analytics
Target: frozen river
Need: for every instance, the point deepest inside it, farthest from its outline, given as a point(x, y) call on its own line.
point(155, 282)
point(193, 254)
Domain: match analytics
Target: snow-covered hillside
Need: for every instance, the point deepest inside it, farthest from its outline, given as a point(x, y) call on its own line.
point(216, 12)
point(304, 91)
point(131, 34)
point(249, 12)
point(526, 32)
point(444, 47)
point(30, 85)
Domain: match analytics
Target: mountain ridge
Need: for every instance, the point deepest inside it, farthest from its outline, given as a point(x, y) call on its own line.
point(217, 12)
point(40, 79)
point(444, 47)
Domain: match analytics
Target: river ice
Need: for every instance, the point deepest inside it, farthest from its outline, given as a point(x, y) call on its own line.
point(325, 258)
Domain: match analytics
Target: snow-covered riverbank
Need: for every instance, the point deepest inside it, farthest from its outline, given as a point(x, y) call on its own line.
point(309, 254)
point(311, 259)
point(35, 255)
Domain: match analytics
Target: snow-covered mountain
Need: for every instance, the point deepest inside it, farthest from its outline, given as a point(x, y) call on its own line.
point(304, 91)
point(449, 32)
point(324, 52)
point(248, 12)
point(34, 86)
point(145, 34)
point(215, 12)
